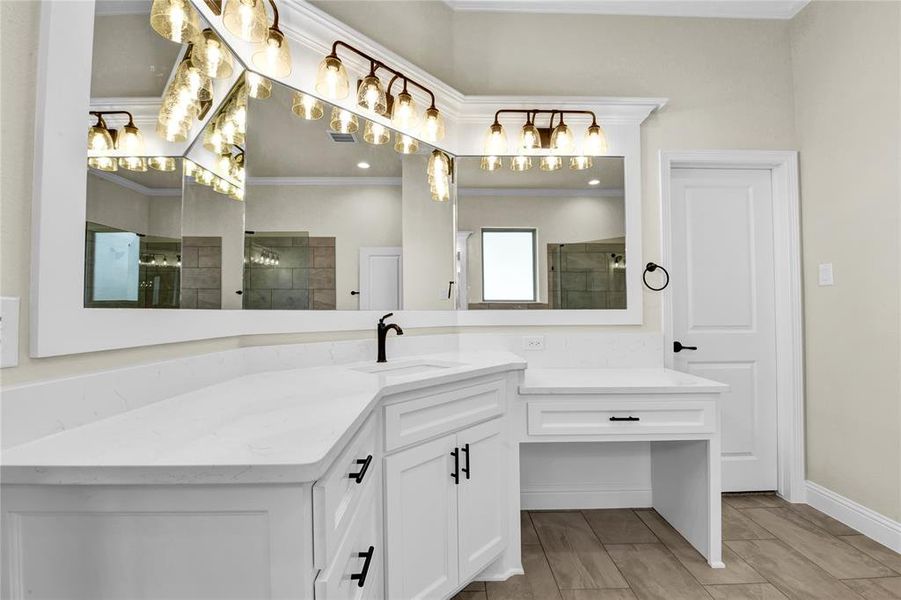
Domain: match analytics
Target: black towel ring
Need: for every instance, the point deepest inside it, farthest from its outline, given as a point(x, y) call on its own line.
point(650, 268)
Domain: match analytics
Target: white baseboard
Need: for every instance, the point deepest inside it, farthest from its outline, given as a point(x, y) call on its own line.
point(869, 522)
point(554, 497)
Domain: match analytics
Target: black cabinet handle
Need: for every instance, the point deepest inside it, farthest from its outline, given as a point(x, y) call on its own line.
point(456, 473)
point(450, 287)
point(358, 477)
point(466, 468)
point(625, 419)
point(678, 347)
point(354, 293)
point(360, 577)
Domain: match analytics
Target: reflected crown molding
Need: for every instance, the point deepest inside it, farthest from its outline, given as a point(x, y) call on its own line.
point(135, 186)
point(474, 192)
point(735, 9)
point(326, 181)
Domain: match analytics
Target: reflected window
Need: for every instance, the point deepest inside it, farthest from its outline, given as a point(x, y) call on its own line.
point(508, 265)
point(116, 256)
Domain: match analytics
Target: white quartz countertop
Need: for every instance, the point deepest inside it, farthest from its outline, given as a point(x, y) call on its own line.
point(272, 427)
point(616, 381)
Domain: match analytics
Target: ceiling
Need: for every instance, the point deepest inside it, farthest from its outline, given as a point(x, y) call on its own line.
point(608, 170)
point(729, 9)
point(280, 144)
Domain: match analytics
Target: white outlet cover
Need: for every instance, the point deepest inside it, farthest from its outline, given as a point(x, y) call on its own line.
point(533, 342)
point(824, 274)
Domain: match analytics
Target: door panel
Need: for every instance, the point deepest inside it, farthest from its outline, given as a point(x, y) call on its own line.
point(421, 521)
point(723, 303)
point(482, 503)
point(381, 274)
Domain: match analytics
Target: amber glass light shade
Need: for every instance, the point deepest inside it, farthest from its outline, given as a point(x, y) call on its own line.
point(405, 113)
point(246, 19)
point(371, 95)
point(405, 144)
point(274, 55)
point(331, 79)
point(376, 133)
point(491, 163)
point(595, 143)
point(257, 86)
point(188, 167)
point(580, 163)
point(529, 138)
point(495, 140)
point(213, 140)
point(307, 107)
point(433, 126)
point(440, 189)
point(343, 121)
point(99, 138)
point(133, 163)
point(190, 82)
point(551, 163)
point(104, 163)
point(237, 193)
point(562, 139)
point(172, 130)
point(203, 177)
point(165, 164)
point(175, 20)
point(222, 186)
point(237, 172)
point(520, 163)
point(211, 56)
point(130, 140)
point(439, 165)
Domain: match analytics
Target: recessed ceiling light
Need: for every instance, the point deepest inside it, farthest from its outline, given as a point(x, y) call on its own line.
point(594, 182)
point(363, 165)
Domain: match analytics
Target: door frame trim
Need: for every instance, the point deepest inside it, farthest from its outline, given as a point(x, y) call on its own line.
point(788, 307)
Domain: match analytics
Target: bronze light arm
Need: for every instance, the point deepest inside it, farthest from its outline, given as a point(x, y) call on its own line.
point(531, 113)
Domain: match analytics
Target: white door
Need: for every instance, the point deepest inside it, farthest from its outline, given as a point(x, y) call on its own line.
point(722, 278)
point(482, 504)
point(421, 521)
point(381, 274)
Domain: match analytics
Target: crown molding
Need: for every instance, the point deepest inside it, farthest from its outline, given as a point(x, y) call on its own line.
point(145, 109)
point(135, 186)
point(325, 181)
point(734, 9)
point(473, 192)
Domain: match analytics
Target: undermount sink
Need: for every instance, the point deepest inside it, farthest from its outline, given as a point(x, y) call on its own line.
point(406, 367)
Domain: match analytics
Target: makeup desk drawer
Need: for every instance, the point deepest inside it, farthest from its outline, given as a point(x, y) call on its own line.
point(600, 417)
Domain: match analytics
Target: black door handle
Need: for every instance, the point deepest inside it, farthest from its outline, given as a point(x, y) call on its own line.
point(450, 286)
point(354, 293)
point(678, 347)
point(360, 577)
point(456, 473)
point(466, 468)
point(358, 477)
point(625, 418)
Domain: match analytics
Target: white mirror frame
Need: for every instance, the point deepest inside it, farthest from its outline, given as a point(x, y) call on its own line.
point(59, 322)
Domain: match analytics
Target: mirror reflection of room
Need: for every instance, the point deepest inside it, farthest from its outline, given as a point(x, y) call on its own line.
point(530, 238)
point(339, 212)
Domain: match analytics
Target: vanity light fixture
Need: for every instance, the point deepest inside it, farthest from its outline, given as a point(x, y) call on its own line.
point(557, 138)
point(376, 133)
point(175, 20)
point(307, 107)
point(133, 163)
point(246, 19)
point(491, 163)
point(274, 56)
point(405, 144)
point(104, 163)
point(165, 164)
point(258, 87)
point(129, 141)
point(520, 163)
point(211, 56)
point(332, 83)
point(343, 121)
point(440, 171)
point(100, 139)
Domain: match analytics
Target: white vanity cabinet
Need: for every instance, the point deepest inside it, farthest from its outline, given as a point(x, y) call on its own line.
point(446, 498)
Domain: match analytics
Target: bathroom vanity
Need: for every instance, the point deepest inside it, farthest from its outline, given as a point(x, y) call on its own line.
point(366, 480)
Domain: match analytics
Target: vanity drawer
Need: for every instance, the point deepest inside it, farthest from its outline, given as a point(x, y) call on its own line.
point(360, 554)
point(418, 419)
point(337, 495)
point(599, 417)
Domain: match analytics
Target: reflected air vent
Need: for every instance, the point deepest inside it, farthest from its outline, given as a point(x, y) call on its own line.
point(342, 138)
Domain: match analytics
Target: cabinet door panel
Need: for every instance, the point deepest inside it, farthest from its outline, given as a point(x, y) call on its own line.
point(482, 498)
point(421, 521)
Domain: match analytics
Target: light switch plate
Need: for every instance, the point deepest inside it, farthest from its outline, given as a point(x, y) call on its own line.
point(9, 332)
point(824, 274)
point(533, 342)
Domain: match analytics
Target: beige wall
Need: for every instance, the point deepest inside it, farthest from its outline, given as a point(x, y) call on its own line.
point(846, 69)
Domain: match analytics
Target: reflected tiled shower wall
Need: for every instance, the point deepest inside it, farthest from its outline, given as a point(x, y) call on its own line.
point(201, 279)
point(586, 275)
point(289, 272)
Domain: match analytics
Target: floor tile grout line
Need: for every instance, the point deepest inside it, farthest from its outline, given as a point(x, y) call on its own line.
point(615, 566)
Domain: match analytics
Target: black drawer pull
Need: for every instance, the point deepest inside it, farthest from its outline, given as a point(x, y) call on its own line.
point(625, 419)
point(456, 473)
point(358, 477)
point(466, 468)
point(360, 577)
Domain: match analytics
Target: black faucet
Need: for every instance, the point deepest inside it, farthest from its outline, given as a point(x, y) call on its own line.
point(383, 333)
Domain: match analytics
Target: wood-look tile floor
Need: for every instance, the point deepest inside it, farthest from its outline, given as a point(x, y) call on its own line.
point(773, 550)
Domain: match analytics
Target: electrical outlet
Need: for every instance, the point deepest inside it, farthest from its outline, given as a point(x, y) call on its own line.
point(533, 342)
point(824, 275)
